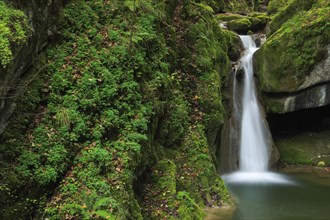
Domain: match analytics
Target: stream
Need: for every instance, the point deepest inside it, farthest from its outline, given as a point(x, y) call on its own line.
point(258, 193)
point(304, 197)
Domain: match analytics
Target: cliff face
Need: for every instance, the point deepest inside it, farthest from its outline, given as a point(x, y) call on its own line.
point(293, 68)
point(36, 22)
point(123, 116)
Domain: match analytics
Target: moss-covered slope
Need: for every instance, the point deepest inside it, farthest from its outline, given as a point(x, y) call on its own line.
point(129, 86)
point(299, 43)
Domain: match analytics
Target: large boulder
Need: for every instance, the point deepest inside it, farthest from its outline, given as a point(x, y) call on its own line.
point(309, 148)
point(293, 66)
point(244, 24)
point(36, 22)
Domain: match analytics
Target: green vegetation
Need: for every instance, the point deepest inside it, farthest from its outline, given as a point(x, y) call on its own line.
point(275, 5)
point(240, 25)
point(287, 11)
point(292, 51)
point(129, 86)
point(242, 6)
point(305, 149)
point(181, 186)
point(13, 28)
point(243, 24)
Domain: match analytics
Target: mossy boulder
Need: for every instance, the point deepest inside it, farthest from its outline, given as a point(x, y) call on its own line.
point(286, 61)
point(310, 148)
point(287, 11)
point(235, 45)
point(107, 118)
point(243, 24)
point(229, 17)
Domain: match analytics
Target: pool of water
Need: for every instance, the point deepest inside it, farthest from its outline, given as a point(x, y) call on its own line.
point(299, 197)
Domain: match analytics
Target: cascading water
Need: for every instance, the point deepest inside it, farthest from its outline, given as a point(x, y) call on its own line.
point(260, 193)
point(253, 148)
point(253, 155)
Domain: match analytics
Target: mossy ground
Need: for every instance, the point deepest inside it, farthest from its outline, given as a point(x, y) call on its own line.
point(305, 149)
point(127, 86)
point(180, 187)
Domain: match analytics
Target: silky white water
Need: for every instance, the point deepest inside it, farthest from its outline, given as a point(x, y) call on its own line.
point(253, 149)
point(253, 155)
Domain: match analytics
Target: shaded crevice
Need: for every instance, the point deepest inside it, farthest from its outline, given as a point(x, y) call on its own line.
point(297, 122)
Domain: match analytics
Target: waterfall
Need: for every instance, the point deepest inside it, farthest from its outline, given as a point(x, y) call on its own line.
point(253, 148)
point(254, 145)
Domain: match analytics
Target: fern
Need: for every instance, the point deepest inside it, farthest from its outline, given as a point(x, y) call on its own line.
point(204, 7)
point(102, 202)
point(104, 214)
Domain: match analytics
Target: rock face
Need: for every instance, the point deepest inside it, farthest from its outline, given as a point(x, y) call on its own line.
point(293, 68)
point(293, 65)
point(313, 90)
point(42, 17)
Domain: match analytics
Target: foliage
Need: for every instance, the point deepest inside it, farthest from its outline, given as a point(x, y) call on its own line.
point(242, 6)
point(287, 11)
point(303, 39)
point(275, 5)
point(162, 200)
point(244, 24)
point(13, 28)
point(179, 187)
point(305, 149)
point(118, 69)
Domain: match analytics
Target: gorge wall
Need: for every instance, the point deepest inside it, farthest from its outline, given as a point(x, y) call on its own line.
point(293, 68)
point(121, 105)
point(122, 116)
point(36, 22)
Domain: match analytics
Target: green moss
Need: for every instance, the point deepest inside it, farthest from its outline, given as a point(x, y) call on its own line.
point(240, 25)
point(122, 82)
point(243, 24)
point(305, 149)
point(162, 200)
point(234, 45)
point(229, 17)
point(274, 105)
point(188, 209)
point(288, 11)
point(290, 53)
point(13, 28)
point(239, 6)
point(196, 172)
point(180, 188)
point(275, 5)
point(175, 120)
point(258, 19)
point(217, 5)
